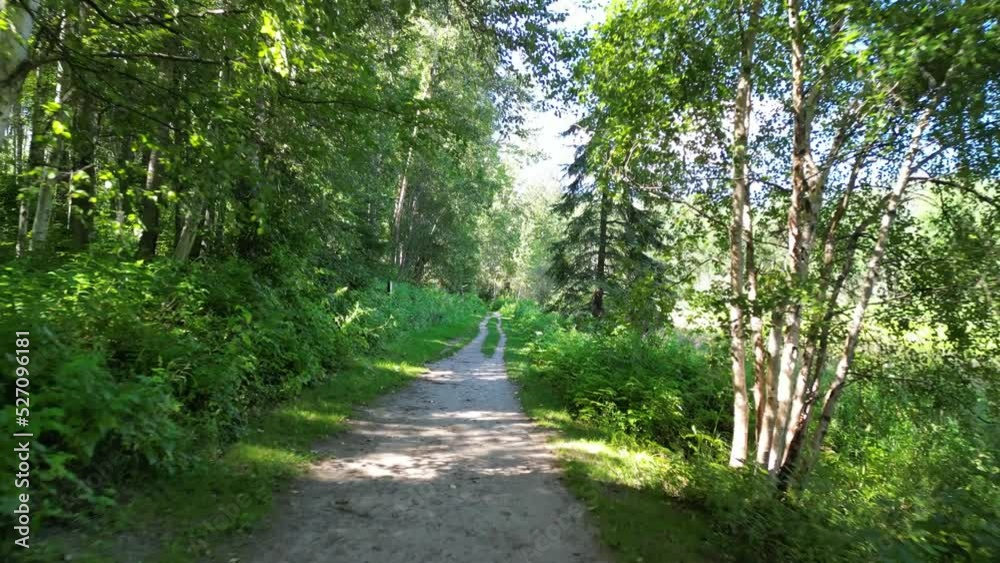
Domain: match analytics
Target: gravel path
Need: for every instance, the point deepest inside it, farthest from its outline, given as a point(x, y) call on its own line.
point(447, 470)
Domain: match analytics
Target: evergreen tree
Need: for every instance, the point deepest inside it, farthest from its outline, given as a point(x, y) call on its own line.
point(612, 226)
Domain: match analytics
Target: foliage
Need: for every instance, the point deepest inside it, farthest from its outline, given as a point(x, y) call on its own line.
point(611, 231)
point(203, 204)
point(515, 245)
point(184, 516)
point(658, 387)
point(148, 368)
point(911, 483)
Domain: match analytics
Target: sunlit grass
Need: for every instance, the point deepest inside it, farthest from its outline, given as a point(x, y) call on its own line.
point(630, 488)
point(492, 337)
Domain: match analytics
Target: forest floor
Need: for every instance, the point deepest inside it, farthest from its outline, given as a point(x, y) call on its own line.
point(448, 469)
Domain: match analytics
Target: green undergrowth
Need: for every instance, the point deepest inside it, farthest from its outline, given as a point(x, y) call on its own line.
point(641, 428)
point(492, 337)
point(629, 486)
point(149, 379)
point(182, 517)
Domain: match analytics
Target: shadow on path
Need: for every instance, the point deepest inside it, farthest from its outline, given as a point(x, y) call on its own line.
point(447, 470)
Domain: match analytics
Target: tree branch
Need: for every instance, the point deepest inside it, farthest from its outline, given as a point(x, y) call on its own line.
point(159, 56)
point(965, 188)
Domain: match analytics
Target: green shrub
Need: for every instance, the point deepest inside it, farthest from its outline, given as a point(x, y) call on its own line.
point(143, 368)
point(656, 387)
point(902, 479)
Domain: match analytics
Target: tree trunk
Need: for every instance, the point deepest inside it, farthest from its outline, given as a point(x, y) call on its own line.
point(409, 257)
point(124, 175)
point(761, 390)
point(798, 255)
point(21, 243)
point(797, 439)
point(189, 231)
point(84, 134)
point(43, 216)
point(22, 227)
point(14, 58)
point(799, 413)
point(737, 354)
point(600, 272)
point(765, 436)
point(397, 215)
point(200, 241)
point(179, 219)
point(741, 191)
point(36, 156)
point(814, 355)
point(47, 190)
point(149, 213)
point(398, 211)
point(218, 228)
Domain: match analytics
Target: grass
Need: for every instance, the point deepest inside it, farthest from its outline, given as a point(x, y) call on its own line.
point(179, 519)
point(631, 489)
point(492, 337)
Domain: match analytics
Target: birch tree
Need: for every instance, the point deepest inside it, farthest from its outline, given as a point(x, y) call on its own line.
point(17, 22)
point(739, 226)
point(843, 87)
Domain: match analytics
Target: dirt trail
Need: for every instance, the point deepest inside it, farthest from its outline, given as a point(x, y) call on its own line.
point(447, 470)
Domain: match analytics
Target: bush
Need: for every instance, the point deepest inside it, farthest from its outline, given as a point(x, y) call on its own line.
point(658, 387)
point(902, 480)
point(140, 368)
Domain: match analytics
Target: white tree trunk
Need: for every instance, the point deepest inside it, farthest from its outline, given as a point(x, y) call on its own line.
point(760, 385)
point(189, 232)
point(766, 435)
point(397, 215)
point(43, 216)
point(47, 191)
point(799, 218)
point(13, 58)
point(399, 250)
point(741, 191)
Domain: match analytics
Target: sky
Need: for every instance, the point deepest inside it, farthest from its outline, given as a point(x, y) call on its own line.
point(552, 151)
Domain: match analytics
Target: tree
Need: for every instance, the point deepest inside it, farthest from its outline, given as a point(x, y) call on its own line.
point(871, 92)
point(611, 227)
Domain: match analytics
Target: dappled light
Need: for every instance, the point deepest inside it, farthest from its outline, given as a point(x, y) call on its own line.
point(450, 465)
point(481, 281)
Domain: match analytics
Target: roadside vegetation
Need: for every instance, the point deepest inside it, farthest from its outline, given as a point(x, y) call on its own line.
point(773, 275)
point(492, 337)
point(643, 427)
point(208, 484)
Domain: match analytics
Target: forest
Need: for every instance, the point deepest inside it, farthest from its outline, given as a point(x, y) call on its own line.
point(755, 312)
